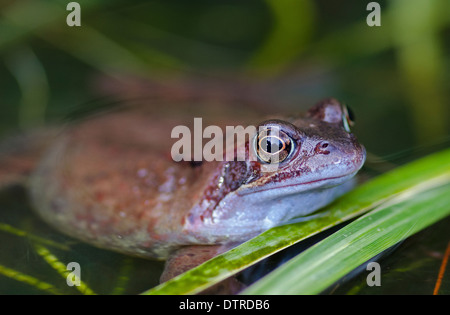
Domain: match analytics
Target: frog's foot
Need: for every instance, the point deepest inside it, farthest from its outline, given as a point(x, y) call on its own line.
point(19, 155)
point(189, 257)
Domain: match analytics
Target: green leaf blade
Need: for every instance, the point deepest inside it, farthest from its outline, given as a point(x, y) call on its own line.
point(326, 262)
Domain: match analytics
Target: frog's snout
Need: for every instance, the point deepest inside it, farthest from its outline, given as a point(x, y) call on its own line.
point(361, 156)
point(346, 157)
point(357, 157)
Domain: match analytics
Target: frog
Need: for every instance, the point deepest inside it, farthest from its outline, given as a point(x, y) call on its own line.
point(111, 181)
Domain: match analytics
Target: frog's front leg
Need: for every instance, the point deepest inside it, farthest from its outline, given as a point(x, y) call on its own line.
point(189, 257)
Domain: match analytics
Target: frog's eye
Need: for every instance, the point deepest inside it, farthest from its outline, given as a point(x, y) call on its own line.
point(273, 145)
point(347, 118)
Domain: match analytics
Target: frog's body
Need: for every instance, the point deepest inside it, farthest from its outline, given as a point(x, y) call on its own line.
point(111, 181)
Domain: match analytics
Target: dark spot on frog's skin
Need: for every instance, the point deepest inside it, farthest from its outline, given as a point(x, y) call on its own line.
point(254, 173)
point(191, 163)
point(233, 175)
point(280, 177)
point(195, 163)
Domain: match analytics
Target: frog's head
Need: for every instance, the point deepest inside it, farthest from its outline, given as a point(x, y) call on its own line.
point(296, 166)
point(300, 154)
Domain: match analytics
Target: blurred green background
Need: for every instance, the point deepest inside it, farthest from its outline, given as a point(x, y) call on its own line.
point(290, 53)
point(395, 77)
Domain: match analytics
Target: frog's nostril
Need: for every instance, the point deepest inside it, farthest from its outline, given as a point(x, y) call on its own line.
point(322, 148)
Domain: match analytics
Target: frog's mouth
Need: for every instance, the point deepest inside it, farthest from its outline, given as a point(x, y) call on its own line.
point(292, 188)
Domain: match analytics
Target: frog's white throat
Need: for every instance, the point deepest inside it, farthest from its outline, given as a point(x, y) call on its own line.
point(237, 219)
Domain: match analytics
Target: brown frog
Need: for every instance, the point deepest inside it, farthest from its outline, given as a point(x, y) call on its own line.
point(111, 181)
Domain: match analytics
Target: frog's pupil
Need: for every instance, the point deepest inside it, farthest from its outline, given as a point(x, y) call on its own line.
point(272, 145)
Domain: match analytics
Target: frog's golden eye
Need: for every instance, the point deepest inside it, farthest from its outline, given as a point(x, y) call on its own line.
point(347, 118)
point(273, 145)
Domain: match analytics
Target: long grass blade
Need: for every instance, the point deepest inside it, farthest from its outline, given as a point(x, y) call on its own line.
point(326, 262)
point(6, 228)
point(29, 280)
point(61, 268)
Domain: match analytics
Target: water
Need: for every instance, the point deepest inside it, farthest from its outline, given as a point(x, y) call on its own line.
point(34, 255)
